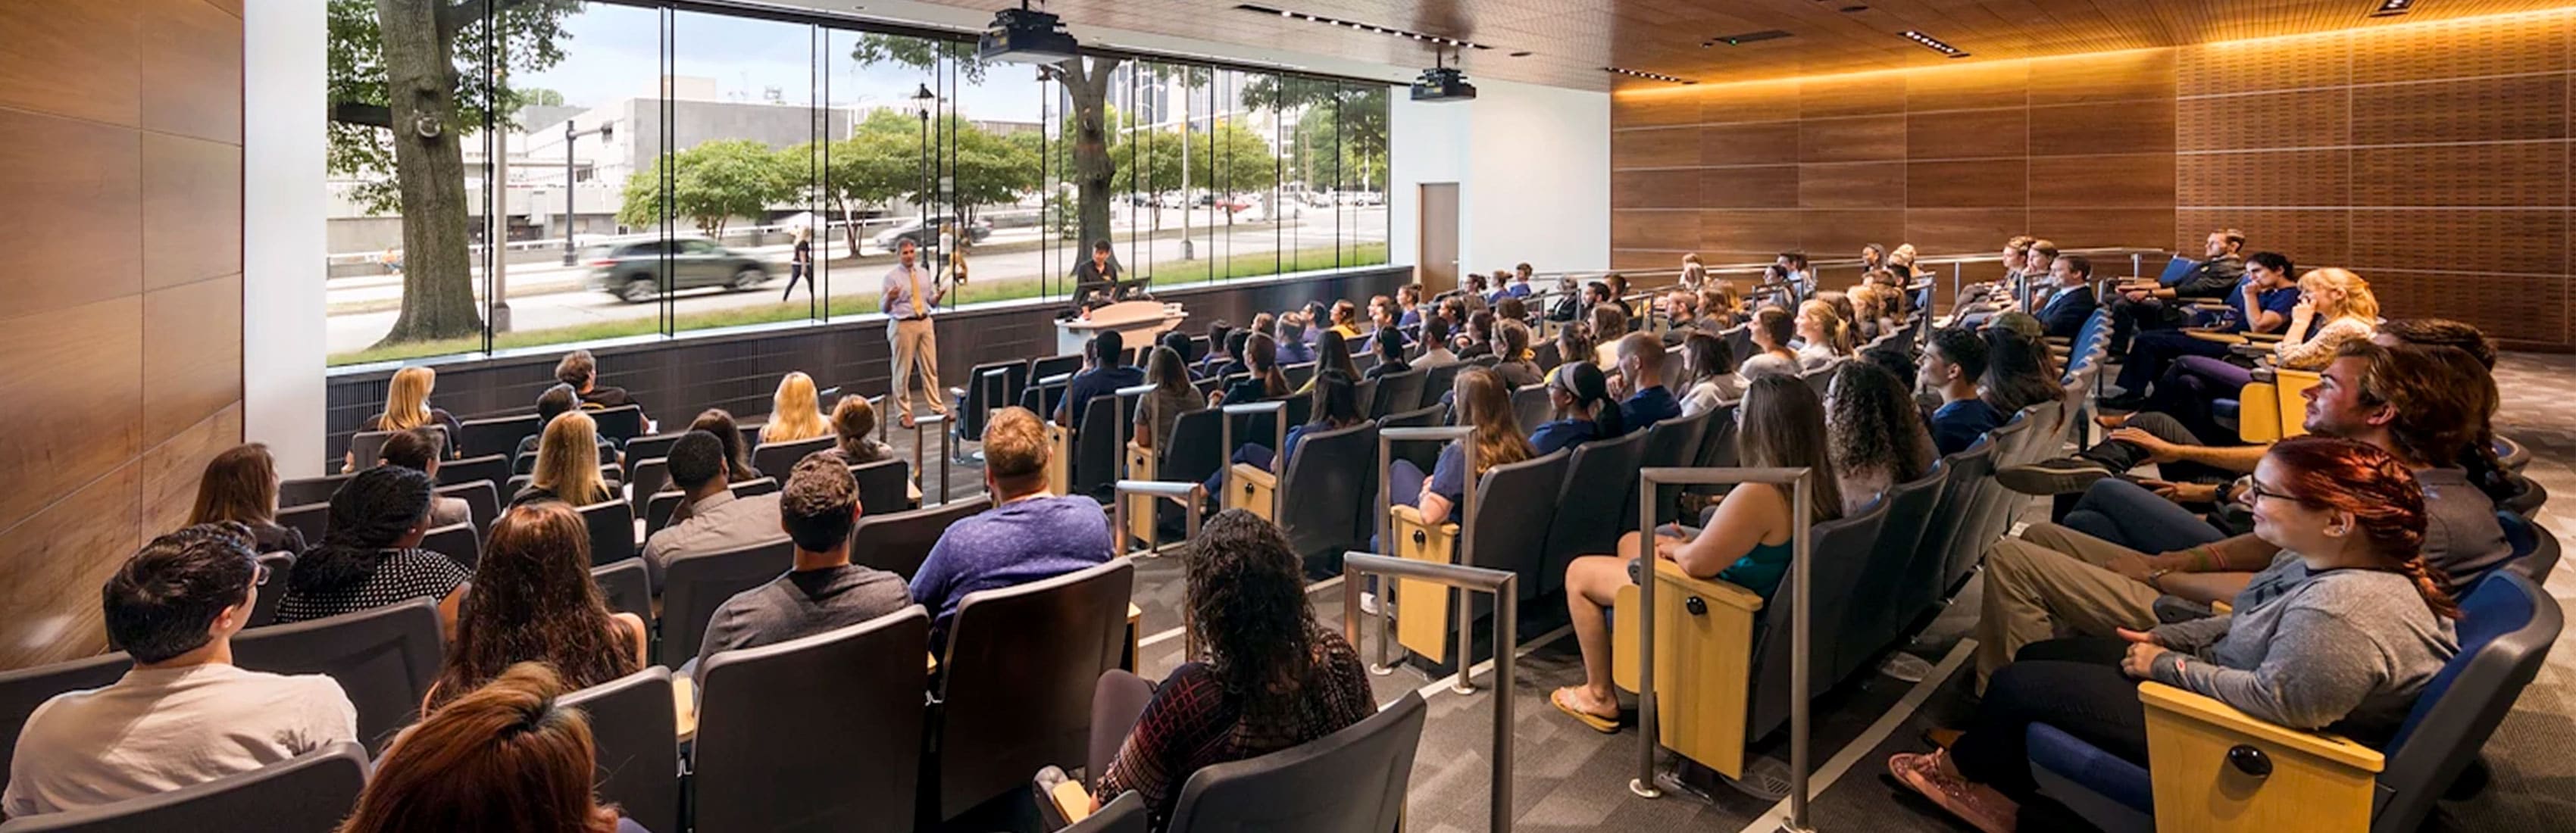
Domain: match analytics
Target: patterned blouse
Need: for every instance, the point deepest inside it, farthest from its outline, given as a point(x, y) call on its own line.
point(402, 576)
point(1191, 724)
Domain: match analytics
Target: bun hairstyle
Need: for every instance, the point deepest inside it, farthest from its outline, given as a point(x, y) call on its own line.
point(2381, 495)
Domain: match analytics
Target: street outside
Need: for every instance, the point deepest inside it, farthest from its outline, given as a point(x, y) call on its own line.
point(549, 296)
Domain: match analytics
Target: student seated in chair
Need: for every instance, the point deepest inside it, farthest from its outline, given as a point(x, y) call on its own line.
point(1027, 536)
point(537, 603)
point(240, 485)
point(711, 518)
point(1389, 344)
point(1268, 677)
point(581, 370)
point(1336, 406)
point(1708, 365)
point(1484, 404)
point(817, 509)
point(505, 757)
point(1435, 345)
point(371, 555)
point(567, 464)
point(1875, 433)
point(1747, 543)
point(419, 449)
point(1952, 363)
point(2261, 304)
point(1772, 329)
point(1262, 379)
point(184, 714)
point(2347, 644)
point(1173, 397)
point(1101, 375)
point(1580, 410)
point(2121, 547)
point(555, 402)
point(1641, 382)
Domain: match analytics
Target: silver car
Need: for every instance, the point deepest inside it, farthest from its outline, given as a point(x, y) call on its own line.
point(631, 270)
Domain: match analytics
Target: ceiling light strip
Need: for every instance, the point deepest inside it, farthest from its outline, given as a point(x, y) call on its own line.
point(1367, 27)
point(1933, 43)
point(1650, 76)
point(2393, 8)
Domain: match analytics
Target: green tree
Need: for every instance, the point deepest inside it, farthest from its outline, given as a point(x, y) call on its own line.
point(1232, 159)
point(405, 88)
point(711, 184)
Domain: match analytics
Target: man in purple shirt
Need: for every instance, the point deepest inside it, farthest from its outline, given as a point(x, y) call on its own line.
point(910, 294)
point(1027, 536)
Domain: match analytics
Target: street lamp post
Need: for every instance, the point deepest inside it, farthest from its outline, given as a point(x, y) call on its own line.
point(922, 103)
point(605, 131)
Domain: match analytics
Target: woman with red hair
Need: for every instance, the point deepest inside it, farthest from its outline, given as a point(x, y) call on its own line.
point(2363, 627)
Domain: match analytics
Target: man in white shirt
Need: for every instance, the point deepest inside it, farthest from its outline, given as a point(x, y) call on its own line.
point(184, 714)
point(910, 295)
point(713, 519)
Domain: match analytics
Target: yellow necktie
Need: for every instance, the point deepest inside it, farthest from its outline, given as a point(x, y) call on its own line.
point(914, 272)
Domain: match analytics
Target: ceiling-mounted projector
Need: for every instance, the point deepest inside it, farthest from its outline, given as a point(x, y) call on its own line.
point(1026, 36)
point(1443, 84)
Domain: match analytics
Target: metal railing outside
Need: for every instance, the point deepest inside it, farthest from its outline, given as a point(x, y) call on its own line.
point(1459, 578)
point(1466, 509)
point(1799, 481)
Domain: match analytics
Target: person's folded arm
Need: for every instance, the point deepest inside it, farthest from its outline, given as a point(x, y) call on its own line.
point(2193, 635)
point(2315, 673)
point(2205, 588)
point(2235, 458)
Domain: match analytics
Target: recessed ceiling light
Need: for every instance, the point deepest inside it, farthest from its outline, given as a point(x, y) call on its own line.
point(1364, 27)
point(1933, 43)
point(2393, 8)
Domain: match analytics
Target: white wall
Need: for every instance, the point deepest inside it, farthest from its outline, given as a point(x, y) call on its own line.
point(283, 219)
point(1532, 165)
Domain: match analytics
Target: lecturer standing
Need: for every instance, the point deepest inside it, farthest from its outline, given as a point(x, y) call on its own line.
point(910, 294)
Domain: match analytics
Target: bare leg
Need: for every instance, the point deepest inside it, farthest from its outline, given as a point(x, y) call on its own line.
point(1591, 586)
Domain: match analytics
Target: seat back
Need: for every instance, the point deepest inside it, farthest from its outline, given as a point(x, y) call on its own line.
point(619, 424)
point(612, 531)
point(1195, 450)
point(1423, 455)
point(1438, 380)
point(2507, 626)
point(627, 587)
point(1883, 589)
point(1965, 476)
point(305, 491)
point(1017, 679)
point(1125, 814)
point(1986, 516)
point(1600, 477)
point(308, 793)
point(492, 467)
point(658, 509)
point(651, 478)
point(1054, 366)
point(2175, 269)
point(898, 542)
point(1821, 378)
point(654, 447)
point(2535, 547)
point(23, 689)
point(1514, 506)
point(777, 459)
point(1717, 444)
point(1298, 374)
point(495, 435)
point(988, 386)
point(456, 541)
point(1838, 549)
point(1095, 446)
point(263, 611)
point(1739, 341)
point(1327, 491)
point(885, 486)
point(815, 734)
point(634, 727)
point(1530, 405)
point(1670, 443)
point(384, 659)
point(1398, 392)
point(755, 487)
point(1350, 781)
point(366, 447)
point(482, 502)
point(694, 586)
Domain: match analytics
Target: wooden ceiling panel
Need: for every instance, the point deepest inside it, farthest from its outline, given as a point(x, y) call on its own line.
point(1571, 41)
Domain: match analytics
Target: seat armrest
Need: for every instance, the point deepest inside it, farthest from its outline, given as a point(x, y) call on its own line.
point(2270, 338)
point(1709, 589)
point(1253, 473)
point(2250, 350)
point(2221, 338)
point(2226, 718)
point(2266, 375)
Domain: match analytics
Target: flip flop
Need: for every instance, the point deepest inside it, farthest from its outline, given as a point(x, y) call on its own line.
point(1604, 725)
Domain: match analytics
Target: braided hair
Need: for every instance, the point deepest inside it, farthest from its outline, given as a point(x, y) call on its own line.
point(2381, 494)
point(371, 513)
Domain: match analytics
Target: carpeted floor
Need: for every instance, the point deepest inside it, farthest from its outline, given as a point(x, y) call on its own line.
point(1569, 777)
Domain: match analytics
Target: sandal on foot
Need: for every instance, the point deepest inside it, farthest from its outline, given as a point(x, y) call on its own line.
point(1604, 725)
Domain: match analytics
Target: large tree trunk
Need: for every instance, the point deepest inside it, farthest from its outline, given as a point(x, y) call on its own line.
point(420, 89)
point(1092, 167)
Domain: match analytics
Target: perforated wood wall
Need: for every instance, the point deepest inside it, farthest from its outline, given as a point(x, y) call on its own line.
point(120, 259)
point(2433, 158)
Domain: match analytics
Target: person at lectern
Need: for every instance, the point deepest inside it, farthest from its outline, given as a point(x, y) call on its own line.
point(1096, 280)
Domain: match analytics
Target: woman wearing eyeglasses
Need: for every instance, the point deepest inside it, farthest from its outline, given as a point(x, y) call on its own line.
point(2364, 625)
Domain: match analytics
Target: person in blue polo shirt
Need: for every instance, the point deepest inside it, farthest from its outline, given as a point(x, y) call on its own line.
point(1952, 363)
point(1641, 370)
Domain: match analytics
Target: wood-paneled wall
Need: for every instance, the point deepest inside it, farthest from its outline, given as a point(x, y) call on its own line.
point(2433, 158)
point(120, 263)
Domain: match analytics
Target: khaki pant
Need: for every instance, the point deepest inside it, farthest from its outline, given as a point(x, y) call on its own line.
point(2051, 582)
point(915, 346)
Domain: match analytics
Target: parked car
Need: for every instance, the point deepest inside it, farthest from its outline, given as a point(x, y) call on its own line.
point(630, 270)
point(912, 230)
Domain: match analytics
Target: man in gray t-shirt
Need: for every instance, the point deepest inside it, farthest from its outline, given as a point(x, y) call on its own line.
point(817, 509)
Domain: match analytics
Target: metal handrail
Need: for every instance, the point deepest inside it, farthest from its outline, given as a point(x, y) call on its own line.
point(1278, 455)
point(947, 449)
point(1800, 536)
point(1386, 440)
point(1503, 584)
point(1193, 497)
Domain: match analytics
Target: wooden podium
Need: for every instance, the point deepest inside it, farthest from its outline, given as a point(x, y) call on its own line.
point(1136, 322)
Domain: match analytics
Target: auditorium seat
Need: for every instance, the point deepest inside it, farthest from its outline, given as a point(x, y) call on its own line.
point(1431, 415)
point(755, 487)
point(634, 731)
point(492, 467)
point(819, 733)
point(23, 689)
point(2204, 749)
point(311, 519)
point(694, 586)
point(1125, 814)
point(1531, 406)
point(989, 386)
point(643, 449)
point(627, 587)
point(1438, 381)
point(272, 588)
point(366, 447)
point(385, 659)
point(456, 541)
point(1506, 529)
point(305, 491)
point(885, 486)
point(1964, 478)
point(482, 502)
point(1600, 477)
point(1885, 592)
point(612, 530)
point(1324, 493)
point(651, 477)
point(1016, 681)
point(1983, 515)
point(1671, 443)
point(308, 793)
point(1298, 374)
point(778, 459)
point(1398, 392)
point(619, 424)
point(1350, 781)
point(898, 542)
point(658, 510)
point(495, 435)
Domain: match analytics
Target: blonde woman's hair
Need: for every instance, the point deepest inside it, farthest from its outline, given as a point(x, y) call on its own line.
point(793, 413)
point(407, 399)
point(568, 460)
point(1485, 404)
point(2358, 300)
point(1838, 336)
